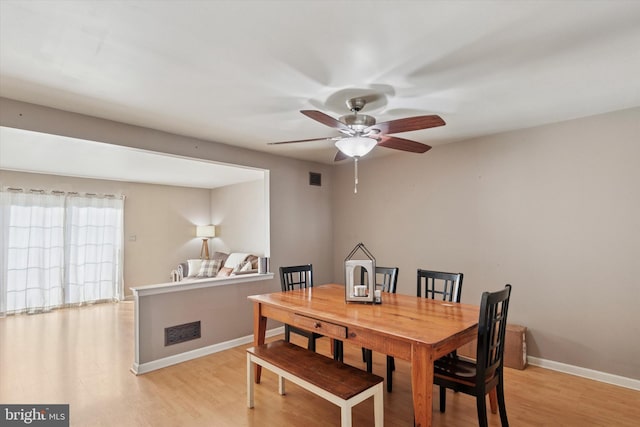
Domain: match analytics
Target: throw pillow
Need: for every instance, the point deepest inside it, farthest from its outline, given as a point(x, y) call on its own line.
point(194, 267)
point(235, 258)
point(209, 268)
point(243, 266)
point(254, 261)
point(221, 256)
point(224, 272)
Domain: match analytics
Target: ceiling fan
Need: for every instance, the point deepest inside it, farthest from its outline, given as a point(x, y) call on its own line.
point(361, 133)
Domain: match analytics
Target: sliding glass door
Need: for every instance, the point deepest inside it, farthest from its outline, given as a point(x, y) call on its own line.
point(58, 249)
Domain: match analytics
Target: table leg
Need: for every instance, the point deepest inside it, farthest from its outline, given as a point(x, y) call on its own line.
point(493, 401)
point(259, 331)
point(422, 385)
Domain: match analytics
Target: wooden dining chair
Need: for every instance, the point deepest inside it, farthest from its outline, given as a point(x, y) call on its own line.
point(386, 281)
point(486, 374)
point(298, 277)
point(440, 285)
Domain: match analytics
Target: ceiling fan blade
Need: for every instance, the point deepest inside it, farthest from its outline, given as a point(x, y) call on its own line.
point(408, 124)
point(321, 117)
point(340, 156)
point(329, 138)
point(403, 144)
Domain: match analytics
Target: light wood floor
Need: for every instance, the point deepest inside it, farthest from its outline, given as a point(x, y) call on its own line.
point(82, 356)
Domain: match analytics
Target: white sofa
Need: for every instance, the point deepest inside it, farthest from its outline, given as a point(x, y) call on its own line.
point(220, 265)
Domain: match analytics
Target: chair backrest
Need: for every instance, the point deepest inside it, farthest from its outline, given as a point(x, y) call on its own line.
point(440, 285)
point(296, 277)
point(492, 326)
point(386, 278)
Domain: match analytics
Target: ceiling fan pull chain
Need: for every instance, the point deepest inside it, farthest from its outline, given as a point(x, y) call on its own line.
point(355, 188)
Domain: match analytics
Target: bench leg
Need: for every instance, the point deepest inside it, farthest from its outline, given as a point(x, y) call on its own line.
point(250, 380)
point(345, 415)
point(378, 406)
point(281, 385)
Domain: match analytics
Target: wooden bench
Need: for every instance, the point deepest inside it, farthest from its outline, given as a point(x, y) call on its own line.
point(341, 384)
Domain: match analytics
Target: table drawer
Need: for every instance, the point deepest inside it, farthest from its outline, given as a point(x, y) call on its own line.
point(320, 326)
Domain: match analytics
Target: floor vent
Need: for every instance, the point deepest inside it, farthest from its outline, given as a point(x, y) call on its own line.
point(181, 333)
point(315, 179)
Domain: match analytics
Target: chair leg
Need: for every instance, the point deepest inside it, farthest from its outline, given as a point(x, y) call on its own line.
point(481, 405)
point(287, 333)
point(337, 350)
point(443, 398)
point(369, 361)
point(390, 366)
point(393, 363)
point(493, 402)
point(501, 405)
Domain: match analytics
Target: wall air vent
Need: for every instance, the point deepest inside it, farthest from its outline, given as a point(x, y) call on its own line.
point(315, 179)
point(181, 333)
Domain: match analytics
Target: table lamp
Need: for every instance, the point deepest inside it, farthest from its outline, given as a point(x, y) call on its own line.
point(205, 232)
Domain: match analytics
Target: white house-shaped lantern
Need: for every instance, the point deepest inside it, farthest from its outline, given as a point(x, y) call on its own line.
point(355, 291)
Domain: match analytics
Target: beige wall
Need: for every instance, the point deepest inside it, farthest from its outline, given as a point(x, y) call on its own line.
point(160, 217)
point(298, 212)
point(553, 210)
point(238, 211)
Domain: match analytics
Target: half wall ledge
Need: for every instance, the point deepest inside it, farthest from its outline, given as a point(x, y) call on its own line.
point(190, 284)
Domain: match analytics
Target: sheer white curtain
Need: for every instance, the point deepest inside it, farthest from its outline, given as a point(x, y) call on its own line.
point(58, 250)
point(32, 252)
point(93, 249)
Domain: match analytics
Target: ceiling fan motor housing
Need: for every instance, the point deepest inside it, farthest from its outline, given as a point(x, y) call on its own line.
point(355, 121)
point(358, 121)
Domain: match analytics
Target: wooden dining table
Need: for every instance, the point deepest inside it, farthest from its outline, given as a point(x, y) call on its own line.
point(416, 329)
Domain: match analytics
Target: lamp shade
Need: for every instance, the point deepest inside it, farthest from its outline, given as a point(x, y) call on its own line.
point(206, 231)
point(356, 146)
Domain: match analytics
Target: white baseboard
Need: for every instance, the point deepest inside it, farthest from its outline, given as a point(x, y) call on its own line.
point(586, 373)
point(143, 368)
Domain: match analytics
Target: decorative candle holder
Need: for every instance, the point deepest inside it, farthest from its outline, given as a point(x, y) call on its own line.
point(354, 290)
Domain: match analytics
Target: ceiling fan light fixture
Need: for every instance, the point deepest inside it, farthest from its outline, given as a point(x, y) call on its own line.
point(356, 146)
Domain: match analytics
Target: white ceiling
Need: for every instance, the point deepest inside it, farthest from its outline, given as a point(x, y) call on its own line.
point(238, 72)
